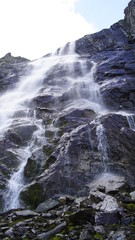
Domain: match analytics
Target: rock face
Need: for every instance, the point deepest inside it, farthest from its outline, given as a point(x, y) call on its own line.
point(11, 69)
point(114, 50)
point(130, 19)
point(69, 148)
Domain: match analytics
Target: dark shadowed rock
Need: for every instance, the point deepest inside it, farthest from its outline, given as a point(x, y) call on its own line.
point(48, 205)
point(81, 217)
point(107, 218)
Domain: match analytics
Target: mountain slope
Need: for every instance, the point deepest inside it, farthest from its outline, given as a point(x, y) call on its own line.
point(67, 138)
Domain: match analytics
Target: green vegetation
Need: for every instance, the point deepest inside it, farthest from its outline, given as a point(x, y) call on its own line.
point(49, 162)
point(33, 196)
point(31, 169)
point(15, 221)
point(132, 224)
point(98, 236)
point(49, 134)
point(130, 206)
point(56, 238)
point(26, 238)
point(48, 150)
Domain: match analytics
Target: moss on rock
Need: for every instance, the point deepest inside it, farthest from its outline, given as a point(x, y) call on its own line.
point(33, 195)
point(31, 169)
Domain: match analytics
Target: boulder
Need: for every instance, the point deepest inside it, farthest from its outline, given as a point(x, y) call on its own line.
point(119, 235)
point(132, 194)
point(107, 218)
point(109, 204)
point(52, 232)
point(81, 217)
point(48, 205)
point(25, 213)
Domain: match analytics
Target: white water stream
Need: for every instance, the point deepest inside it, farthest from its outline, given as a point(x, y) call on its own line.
point(102, 146)
point(131, 122)
point(82, 93)
point(16, 182)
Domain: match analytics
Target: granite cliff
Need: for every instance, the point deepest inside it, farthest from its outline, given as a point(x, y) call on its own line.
point(67, 139)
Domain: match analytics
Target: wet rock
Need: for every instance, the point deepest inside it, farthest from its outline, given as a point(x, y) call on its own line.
point(24, 131)
point(43, 100)
point(112, 184)
point(78, 157)
point(32, 168)
point(48, 149)
point(32, 195)
point(121, 149)
point(122, 94)
point(74, 118)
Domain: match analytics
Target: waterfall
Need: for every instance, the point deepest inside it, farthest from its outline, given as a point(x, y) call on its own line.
point(103, 147)
point(27, 88)
point(131, 122)
point(64, 74)
point(17, 182)
point(67, 49)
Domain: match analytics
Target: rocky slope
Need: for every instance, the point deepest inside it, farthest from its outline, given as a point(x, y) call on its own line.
point(77, 136)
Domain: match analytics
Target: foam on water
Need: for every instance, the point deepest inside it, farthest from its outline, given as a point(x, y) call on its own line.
point(81, 90)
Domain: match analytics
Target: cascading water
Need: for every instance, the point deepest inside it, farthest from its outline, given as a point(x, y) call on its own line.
point(10, 103)
point(80, 90)
point(102, 146)
point(17, 182)
point(131, 122)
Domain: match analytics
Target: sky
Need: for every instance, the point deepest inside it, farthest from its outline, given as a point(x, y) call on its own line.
point(33, 28)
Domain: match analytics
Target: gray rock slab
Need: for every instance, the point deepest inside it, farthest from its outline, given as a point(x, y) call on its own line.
point(107, 218)
point(52, 232)
point(26, 213)
point(47, 205)
point(109, 204)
